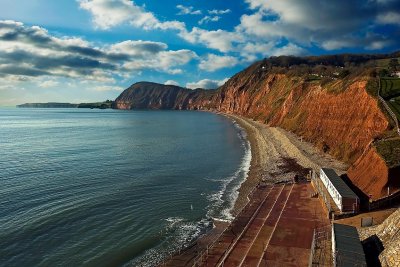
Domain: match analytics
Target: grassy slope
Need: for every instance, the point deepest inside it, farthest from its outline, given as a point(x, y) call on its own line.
point(390, 91)
point(389, 146)
point(389, 149)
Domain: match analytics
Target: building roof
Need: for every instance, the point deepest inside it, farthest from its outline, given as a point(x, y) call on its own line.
point(349, 251)
point(343, 189)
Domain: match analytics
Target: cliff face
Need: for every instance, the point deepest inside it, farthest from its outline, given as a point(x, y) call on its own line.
point(342, 124)
point(378, 169)
point(339, 117)
point(147, 95)
point(370, 173)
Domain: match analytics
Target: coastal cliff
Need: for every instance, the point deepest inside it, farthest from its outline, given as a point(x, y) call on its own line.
point(337, 114)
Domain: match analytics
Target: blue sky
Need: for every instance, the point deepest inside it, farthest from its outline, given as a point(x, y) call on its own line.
point(90, 50)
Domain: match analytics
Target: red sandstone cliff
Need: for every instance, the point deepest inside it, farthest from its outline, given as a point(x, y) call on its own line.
point(339, 117)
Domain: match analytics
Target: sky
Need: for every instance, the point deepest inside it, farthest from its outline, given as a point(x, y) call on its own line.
point(91, 50)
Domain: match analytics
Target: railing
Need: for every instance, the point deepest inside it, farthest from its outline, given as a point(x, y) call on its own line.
point(310, 261)
point(385, 201)
point(321, 191)
point(321, 247)
point(388, 109)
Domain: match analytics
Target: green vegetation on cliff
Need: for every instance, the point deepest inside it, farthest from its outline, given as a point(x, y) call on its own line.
point(389, 149)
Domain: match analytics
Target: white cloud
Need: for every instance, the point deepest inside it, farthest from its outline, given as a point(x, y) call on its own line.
point(138, 48)
point(313, 14)
point(214, 62)
point(208, 19)
point(187, 10)
point(390, 17)
point(165, 61)
point(301, 23)
point(370, 42)
point(4, 87)
point(219, 12)
point(106, 88)
point(49, 84)
point(206, 84)
point(214, 16)
point(220, 40)
point(171, 82)
point(110, 13)
point(322, 23)
point(288, 50)
point(33, 52)
point(378, 44)
point(252, 51)
point(256, 28)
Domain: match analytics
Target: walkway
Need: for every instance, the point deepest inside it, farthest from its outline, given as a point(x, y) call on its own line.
point(277, 233)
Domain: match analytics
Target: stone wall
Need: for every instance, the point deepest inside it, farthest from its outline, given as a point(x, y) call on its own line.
point(389, 234)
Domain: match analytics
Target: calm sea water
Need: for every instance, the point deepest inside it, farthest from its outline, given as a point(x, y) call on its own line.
point(112, 188)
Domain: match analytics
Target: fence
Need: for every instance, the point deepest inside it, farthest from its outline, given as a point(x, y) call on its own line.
point(311, 260)
point(385, 201)
point(321, 191)
point(321, 248)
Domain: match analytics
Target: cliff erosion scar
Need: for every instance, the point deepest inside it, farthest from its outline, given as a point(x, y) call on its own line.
point(337, 114)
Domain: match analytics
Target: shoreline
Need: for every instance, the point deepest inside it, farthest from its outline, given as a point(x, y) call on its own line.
point(253, 175)
point(276, 155)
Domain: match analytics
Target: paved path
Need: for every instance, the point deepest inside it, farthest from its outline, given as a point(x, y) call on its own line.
point(277, 233)
point(237, 229)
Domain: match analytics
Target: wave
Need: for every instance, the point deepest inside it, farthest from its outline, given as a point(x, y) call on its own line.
point(223, 201)
point(180, 233)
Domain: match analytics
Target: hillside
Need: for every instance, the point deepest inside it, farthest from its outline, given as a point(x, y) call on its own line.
point(147, 95)
point(48, 105)
point(99, 105)
point(327, 100)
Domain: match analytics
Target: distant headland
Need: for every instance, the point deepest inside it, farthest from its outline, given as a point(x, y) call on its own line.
point(98, 105)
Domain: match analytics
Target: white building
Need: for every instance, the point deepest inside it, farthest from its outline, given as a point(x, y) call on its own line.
point(345, 199)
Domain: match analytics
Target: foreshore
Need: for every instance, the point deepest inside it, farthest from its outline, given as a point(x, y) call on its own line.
point(277, 155)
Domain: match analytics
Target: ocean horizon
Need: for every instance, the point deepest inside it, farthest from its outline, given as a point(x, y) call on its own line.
point(84, 187)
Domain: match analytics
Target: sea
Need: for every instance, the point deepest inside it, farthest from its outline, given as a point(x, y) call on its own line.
point(83, 187)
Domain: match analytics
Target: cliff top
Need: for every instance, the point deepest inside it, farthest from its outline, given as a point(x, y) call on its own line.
point(389, 149)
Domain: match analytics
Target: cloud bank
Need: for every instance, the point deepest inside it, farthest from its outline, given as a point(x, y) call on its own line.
point(286, 26)
point(32, 51)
